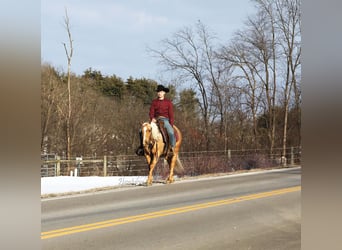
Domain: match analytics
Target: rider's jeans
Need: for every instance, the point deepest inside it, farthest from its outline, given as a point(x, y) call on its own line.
point(170, 131)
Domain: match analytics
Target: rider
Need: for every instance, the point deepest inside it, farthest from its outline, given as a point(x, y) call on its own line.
point(161, 109)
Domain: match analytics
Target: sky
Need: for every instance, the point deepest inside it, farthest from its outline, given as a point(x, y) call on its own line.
point(112, 36)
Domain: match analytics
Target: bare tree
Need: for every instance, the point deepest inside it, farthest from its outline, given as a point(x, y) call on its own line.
point(190, 53)
point(215, 72)
point(54, 110)
point(252, 54)
point(267, 46)
point(69, 53)
point(288, 21)
point(238, 56)
point(262, 46)
point(266, 59)
point(50, 89)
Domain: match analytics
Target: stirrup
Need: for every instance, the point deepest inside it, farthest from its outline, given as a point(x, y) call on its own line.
point(171, 151)
point(140, 151)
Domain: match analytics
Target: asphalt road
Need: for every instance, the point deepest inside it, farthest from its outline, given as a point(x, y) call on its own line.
point(254, 211)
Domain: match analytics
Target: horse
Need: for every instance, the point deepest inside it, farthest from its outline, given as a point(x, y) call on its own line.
point(154, 148)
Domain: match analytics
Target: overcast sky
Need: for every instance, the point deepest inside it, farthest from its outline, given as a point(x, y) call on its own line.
point(112, 35)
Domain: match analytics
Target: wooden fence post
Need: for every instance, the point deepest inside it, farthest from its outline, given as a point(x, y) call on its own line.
point(105, 165)
point(292, 156)
point(58, 166)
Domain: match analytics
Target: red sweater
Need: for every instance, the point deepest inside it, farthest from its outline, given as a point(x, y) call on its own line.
point(162, 108)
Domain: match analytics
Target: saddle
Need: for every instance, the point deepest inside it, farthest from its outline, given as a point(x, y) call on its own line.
point(165, 135)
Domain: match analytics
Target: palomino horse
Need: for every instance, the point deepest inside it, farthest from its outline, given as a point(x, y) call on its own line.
point(153, 144)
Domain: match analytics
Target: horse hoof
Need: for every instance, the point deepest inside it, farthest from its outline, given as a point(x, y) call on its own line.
point(168, 181)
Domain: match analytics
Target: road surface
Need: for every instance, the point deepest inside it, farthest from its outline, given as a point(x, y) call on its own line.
point(250, 211)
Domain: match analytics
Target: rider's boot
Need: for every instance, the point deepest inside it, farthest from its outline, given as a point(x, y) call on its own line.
point(140, 151)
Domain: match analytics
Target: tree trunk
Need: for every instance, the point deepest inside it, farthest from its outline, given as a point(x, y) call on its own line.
point(69, 116)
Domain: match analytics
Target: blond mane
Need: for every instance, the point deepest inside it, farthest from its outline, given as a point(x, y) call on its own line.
point(155, 132)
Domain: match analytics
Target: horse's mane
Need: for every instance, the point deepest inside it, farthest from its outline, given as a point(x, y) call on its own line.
point(155, 131)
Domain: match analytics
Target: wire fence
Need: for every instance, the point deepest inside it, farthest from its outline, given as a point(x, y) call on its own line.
point(195, 163)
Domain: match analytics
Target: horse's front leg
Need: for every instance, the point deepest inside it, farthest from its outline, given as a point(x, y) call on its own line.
point(150, 169)
point(152, 164)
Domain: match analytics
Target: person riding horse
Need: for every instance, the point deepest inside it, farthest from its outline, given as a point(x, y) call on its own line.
point(161, 109)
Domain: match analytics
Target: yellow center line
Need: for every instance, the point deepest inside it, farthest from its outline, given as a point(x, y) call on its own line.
point(129, 219)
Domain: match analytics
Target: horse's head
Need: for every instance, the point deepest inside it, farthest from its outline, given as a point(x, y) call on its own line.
point(150, 133)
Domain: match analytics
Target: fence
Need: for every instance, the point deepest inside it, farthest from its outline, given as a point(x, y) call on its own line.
point(90, 166)
point(195, 163)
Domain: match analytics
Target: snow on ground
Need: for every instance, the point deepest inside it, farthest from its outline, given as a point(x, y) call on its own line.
point(54, 186)
point(68, 184)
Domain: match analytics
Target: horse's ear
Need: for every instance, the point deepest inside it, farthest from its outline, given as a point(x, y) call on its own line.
point(141, 123)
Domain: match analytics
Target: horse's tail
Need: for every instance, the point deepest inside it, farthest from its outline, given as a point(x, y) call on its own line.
point(179, 166)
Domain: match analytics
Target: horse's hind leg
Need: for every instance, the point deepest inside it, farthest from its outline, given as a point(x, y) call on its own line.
point(172, 161)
